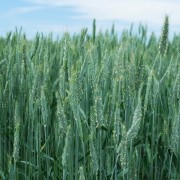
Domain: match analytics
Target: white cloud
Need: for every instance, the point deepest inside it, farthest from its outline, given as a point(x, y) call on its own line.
point(20, 10)
point(146, 11)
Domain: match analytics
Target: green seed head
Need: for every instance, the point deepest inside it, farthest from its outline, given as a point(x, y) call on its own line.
point(163, 44)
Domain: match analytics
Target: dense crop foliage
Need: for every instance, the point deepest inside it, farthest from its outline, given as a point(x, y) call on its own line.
point(90, 106)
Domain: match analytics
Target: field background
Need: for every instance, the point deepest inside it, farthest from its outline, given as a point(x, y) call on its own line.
point(90, 106)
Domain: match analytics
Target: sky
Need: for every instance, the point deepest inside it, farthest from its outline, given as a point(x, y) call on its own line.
point(59, 16)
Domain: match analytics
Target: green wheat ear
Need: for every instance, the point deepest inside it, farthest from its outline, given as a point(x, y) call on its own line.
point(178, 48)
point(163, 44)
point(67, 147)
point(81, 173)
point(94, 30)
point(17, 132)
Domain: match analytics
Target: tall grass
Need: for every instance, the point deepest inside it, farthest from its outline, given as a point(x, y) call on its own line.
point(90, 106)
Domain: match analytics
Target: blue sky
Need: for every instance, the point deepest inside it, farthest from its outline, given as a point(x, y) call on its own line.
point(59, 16)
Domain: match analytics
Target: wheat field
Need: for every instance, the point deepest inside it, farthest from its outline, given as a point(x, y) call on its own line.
point(90, 106)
